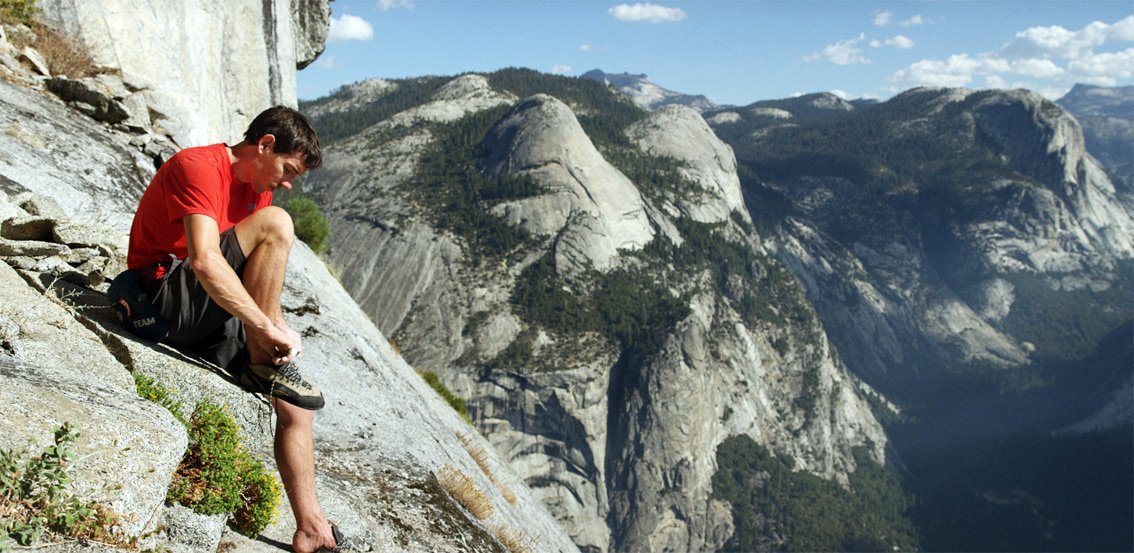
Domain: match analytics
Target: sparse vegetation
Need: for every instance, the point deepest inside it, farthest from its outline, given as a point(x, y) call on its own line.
point(150, 389)
point(481, 457)
point(35, 500)
point(218, 475)
point(517, 541)
point(462, 489)
point(455, 402)
point(63, 55)
point(18, 12)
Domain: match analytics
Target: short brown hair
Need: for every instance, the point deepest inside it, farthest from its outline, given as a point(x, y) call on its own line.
point(293, 132)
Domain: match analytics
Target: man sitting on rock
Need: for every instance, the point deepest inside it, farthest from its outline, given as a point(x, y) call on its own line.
point(212, 252)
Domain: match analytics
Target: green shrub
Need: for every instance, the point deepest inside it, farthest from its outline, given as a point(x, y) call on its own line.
point(18, 12)
point(217, 475)
point(152, 390)
point(455, 402)
point(34, 499)
point(310, 225)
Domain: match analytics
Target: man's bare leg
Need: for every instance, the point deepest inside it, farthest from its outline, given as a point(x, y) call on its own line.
point(295, 458)
point(266, 237)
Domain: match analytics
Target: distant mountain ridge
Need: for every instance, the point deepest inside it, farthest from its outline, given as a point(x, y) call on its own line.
point(1107, 117)
point(645, 93)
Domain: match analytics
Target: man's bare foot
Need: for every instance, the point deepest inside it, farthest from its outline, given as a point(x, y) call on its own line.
point(309, 540)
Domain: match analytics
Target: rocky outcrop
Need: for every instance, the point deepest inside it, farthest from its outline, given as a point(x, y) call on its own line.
point(311, 22)
point(593, 209)
point(681, 134)
point(204, 68)
point(748, 381)
point(457, 98)
point(50, 151)
point(68, 187)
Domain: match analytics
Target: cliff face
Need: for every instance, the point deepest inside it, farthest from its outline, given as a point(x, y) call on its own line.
point(205, 68)
point(614, 429)
point(69, 186)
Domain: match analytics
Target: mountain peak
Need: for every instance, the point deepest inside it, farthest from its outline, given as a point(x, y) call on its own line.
point(647, 95)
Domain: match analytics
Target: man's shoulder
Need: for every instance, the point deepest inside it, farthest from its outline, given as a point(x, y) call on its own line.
point(212, 153)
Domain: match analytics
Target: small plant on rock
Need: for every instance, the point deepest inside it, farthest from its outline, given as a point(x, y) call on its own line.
point(219, 476)
point(34, 499)
point(152, 390)
point(462, 489)
point(18, 12)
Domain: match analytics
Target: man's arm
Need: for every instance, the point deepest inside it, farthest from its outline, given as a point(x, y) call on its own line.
point(226, 289)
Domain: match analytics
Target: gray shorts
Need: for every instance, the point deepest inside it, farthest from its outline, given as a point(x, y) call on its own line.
point(196, 322)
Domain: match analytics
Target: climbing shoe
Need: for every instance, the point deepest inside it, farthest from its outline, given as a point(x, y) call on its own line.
point(343, 544)
point(282, 382)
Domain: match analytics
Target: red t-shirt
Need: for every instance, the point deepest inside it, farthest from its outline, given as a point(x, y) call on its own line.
point(195, 180)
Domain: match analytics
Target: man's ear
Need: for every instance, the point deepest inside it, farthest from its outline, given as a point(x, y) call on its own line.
point(266, 142)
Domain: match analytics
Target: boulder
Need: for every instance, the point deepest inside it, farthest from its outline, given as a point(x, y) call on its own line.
point(54, 371)
point(90, 98)
point(27, 228)
point(35, 59)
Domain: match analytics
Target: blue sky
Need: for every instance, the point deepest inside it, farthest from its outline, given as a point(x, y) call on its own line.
point(740, 51)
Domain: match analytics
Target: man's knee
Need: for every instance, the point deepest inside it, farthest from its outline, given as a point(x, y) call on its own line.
point(268, 225)
point(277, 223)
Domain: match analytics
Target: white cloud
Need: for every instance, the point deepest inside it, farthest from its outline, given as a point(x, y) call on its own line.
point(846, 52)
point(1123, 31)
point(349, 27)
point(899, 41)
point(1049, 60)
point(1105, 68)
point(956, 71)
point(841, 94)
point(586, 47)
point(561, 69)
point(995, 81)
point(386, 5)
point(1037, 68)
point(646, 12)
point(885, 18)
point(325, 62)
